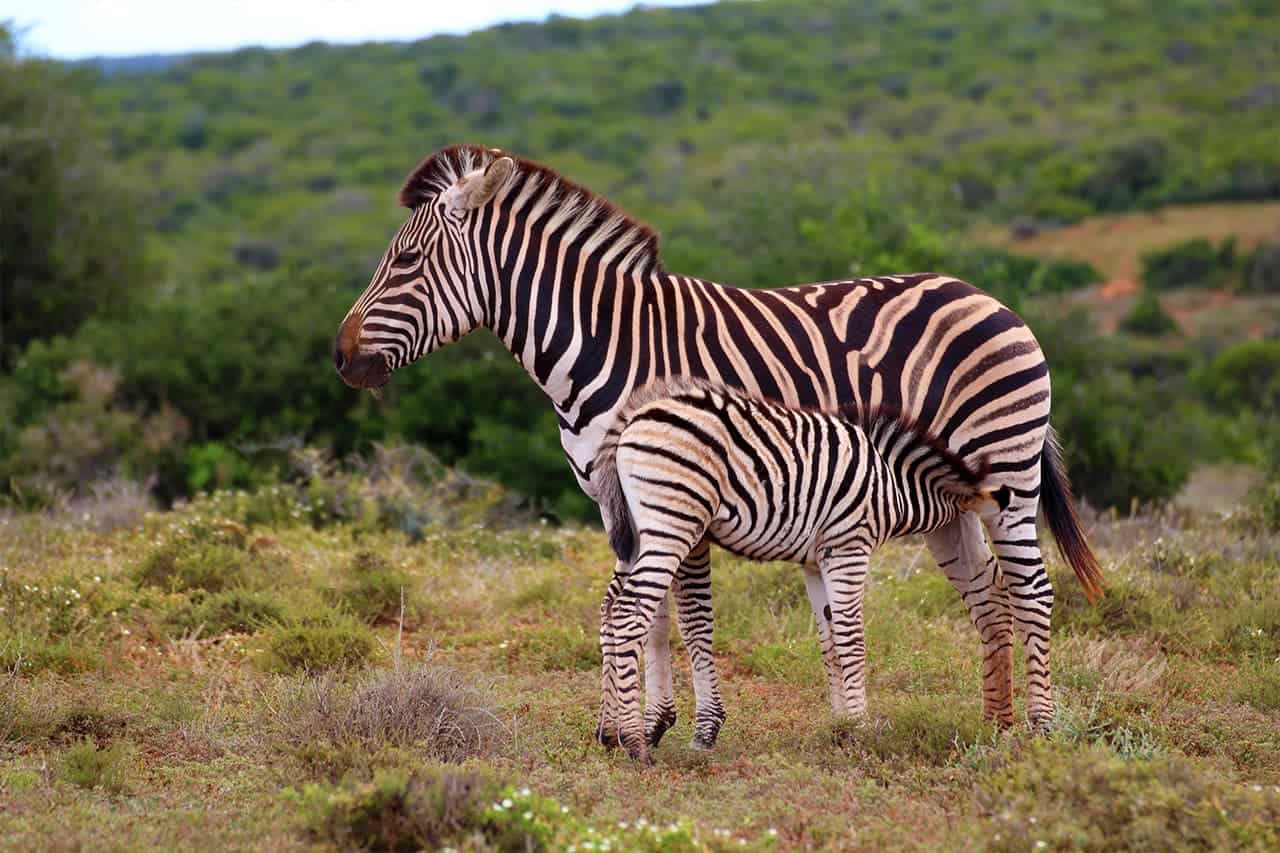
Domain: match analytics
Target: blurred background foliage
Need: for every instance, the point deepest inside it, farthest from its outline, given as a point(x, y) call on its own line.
point(179, 238)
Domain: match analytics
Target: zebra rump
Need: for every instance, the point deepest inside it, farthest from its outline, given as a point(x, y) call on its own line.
point(886, 430)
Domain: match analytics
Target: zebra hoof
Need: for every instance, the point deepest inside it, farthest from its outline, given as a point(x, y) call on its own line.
point(660, 726)
point(1041, 722)
point(607, 736)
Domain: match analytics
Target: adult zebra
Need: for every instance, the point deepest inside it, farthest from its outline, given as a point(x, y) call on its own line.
point(687, 459)
point(574, 289)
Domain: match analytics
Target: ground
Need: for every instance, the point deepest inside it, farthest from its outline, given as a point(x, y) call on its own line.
point(209, 682)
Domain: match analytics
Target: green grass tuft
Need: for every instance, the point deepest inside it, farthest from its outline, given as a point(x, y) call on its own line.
point(89, 766)
point(325, 640)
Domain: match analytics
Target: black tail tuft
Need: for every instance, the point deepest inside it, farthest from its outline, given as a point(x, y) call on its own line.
point(613, 503)
point(1060, 510)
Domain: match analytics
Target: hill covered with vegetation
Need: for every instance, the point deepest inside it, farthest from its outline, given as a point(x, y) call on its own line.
point(249, 193)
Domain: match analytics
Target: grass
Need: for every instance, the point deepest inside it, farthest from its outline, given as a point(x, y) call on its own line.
point(286, 707)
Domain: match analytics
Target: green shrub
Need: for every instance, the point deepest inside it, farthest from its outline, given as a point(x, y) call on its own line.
point(376, 590)
point(396, 810)
point(1125, 173)
point(1148, 317)
point(1194, 263)
point(321, 641)
point(90, 437)
point(1262, 273)
point(1062, 797)
point(186, 565)
point(1244, 377)
point(87, 765)
point(229, 611)
point(1259, 684)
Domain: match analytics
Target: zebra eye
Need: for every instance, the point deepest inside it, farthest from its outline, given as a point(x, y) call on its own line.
point(408, 257)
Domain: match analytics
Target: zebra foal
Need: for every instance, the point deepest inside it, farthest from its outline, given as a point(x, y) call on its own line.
point(689, 461)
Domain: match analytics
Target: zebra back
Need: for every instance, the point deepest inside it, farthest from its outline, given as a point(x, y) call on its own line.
point(902, 444)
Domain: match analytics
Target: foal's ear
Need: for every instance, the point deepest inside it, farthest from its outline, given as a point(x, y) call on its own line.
point(477, 188)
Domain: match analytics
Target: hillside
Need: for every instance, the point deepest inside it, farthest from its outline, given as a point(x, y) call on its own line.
point(1115, 245)
point(768, 143)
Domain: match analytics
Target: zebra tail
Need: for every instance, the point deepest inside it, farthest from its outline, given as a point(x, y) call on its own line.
point(613, 503)
point(1060, 510)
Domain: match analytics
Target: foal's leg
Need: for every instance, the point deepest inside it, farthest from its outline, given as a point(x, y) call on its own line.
point(659, 692)
point(960, 547)
point(607, 727)
point(817, 590)
point(844, 572)
point(693, 611)
point(631, 617)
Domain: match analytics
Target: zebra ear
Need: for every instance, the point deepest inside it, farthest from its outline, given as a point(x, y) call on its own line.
point(478, 188)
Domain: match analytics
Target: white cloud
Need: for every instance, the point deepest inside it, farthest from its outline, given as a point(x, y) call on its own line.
point(79, 28)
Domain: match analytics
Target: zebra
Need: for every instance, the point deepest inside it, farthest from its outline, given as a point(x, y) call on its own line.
point(576, 292)
point(688, 460)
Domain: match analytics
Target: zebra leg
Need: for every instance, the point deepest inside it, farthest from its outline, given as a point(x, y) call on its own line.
point(822, 612)
point(693, 611)
point(607, 727)
point(961, 550)
point(632, 615)
point(844, 573)
point(659, 692)
point(1030, 594)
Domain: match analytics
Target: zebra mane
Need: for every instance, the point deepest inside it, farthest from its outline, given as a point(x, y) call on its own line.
point(577, 209)
point(886, 427)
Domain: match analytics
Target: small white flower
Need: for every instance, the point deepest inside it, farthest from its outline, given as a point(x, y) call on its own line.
point(564, 810)
point(506, 802)
point(771, 832)
point(97, 579)
point(1040, 845)
point(524, 792)
point(528, 815)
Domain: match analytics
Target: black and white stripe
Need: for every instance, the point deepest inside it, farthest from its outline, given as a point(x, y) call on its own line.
point(690, 462)
point(575, 291)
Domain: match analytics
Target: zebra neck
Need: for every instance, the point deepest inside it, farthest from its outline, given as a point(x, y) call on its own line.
point(569, 321)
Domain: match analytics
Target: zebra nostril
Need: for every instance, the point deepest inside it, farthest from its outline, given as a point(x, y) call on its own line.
point(339, 360)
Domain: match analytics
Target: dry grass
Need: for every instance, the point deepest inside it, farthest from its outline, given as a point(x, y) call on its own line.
point(437, 710)
point(1115, 244)
point(1169, 686)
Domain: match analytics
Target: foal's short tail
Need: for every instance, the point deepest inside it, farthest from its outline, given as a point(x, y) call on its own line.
point(1060, 510)
point(613, 503)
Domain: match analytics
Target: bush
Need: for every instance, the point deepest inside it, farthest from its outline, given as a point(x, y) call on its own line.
point(376, 590)
point(87, 765)
point(397, 810)
point(230, 611)
point(1148, 318)
point(1125, 174)
point(209, 556)
point(71, 246)
point(316, 642)
point(432, 709)
point(90, 437)
point(1262, 273)
point(1088, 798)
point(1245, 377)
point(1194, 263)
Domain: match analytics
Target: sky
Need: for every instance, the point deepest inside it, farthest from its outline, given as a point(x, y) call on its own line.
point(75, 29)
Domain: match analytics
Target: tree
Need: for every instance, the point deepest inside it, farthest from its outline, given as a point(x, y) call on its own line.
point(69, 245)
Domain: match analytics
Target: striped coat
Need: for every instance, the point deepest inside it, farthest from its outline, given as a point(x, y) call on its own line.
point(575, 290)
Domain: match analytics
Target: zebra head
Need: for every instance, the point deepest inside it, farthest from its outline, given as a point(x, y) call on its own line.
point(426, 290)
